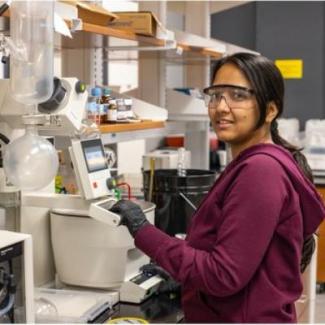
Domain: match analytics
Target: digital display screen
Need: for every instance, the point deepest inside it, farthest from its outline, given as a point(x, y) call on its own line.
point(94, 158)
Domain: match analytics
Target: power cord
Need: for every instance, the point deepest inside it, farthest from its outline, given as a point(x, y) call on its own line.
point(8, 282)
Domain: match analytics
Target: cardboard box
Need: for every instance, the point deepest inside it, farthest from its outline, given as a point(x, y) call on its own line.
point(138, 22)
point(93, 14)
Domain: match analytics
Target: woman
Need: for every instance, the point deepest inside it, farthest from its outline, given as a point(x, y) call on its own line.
point(241, 259)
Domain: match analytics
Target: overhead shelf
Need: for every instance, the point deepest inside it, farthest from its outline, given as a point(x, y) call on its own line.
point(183, 107)
point(206, 46)
point(124, 127)
point(107, 31)
point(94, 36)
point(169, 127)
point(198, 44)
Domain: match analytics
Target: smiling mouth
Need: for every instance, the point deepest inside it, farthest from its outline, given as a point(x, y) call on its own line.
point(224, 122)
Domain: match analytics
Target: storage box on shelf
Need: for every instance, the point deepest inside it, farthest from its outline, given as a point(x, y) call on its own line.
point(139, 22)
point(87, 12)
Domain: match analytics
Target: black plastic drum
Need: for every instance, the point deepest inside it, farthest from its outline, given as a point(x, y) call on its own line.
point(176, 196)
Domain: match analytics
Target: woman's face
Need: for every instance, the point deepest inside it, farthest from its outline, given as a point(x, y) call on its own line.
point(233, 111)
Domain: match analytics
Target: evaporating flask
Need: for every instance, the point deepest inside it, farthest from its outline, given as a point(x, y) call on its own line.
point(30, 162)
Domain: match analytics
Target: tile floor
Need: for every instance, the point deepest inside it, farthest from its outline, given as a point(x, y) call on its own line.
point(320, 308)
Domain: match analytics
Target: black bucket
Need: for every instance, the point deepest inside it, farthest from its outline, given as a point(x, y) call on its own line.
point(176, 197)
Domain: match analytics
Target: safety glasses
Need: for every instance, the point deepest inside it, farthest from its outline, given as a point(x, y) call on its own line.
point(236, 97)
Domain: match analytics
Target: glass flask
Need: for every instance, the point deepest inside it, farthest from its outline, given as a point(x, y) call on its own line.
point(30, 161)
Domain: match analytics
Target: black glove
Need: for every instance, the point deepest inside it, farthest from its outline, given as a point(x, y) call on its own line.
point(131, 215)
point(169, 285)
point(153, 269)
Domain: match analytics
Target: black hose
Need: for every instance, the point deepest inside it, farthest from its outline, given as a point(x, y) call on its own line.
point(4, 138)
point(8, 282)
point(10, 304)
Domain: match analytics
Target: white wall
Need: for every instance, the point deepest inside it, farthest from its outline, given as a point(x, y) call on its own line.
point(175, 72)
point(129, 156)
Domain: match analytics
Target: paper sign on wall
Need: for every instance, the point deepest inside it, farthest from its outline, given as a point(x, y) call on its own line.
point(290, 69)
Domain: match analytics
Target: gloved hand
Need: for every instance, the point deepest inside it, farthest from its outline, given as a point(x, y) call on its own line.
point(167, 286)
point(131, 215)
point(153, 269)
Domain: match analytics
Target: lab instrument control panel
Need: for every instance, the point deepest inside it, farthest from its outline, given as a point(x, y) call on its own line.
point(90, 167)
point(100, 211)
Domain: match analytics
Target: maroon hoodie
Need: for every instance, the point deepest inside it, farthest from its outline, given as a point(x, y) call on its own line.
point(241, 259)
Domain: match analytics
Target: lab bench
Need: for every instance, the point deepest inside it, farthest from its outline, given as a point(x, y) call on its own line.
point(66, 305)
point(157, 309)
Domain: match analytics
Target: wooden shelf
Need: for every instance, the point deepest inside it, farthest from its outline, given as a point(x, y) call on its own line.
point(124, 127)
point(93, 42)
point(199, 45)
point(93, 36)
point(108, 31)
point(200, 51)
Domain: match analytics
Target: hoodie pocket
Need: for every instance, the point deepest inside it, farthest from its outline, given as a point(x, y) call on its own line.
point(210, 303)
point(205, 226)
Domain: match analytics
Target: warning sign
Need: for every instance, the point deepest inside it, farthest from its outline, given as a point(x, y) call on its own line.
point(290, 69)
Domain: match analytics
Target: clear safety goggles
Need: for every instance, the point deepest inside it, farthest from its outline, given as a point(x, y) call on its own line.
point(235, 96)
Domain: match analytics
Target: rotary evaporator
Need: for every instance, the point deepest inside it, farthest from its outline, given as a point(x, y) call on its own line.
point(89, 250)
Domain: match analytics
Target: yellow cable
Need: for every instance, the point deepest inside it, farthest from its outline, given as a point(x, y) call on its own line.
point(152, 172)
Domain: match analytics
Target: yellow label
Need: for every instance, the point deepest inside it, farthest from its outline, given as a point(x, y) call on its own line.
point(290, 69)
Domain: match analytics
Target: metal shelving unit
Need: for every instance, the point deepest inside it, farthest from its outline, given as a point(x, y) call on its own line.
point(185, 48)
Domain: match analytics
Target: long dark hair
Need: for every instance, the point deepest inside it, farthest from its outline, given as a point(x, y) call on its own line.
point(268, 85)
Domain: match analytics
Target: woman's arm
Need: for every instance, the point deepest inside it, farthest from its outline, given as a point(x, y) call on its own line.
point(251, 212)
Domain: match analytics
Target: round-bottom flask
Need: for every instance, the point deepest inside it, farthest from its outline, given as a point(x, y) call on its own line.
point(30, 162)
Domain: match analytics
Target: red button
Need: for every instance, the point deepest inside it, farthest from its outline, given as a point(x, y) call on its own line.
point(95, 184)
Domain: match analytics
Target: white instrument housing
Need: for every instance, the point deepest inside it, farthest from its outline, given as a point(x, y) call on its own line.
point(90, 167)
point(100, 211)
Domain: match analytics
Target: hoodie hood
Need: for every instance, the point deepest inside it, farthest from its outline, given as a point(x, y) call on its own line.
point(312, 204)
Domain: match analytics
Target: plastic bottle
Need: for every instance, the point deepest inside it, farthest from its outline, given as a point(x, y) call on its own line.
point(97, 93)
point(93, 105)
point(120, 109)
point(112, 111)
point(92, 109)
point(104, 100)
point(31, 46)
point(181, 169)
